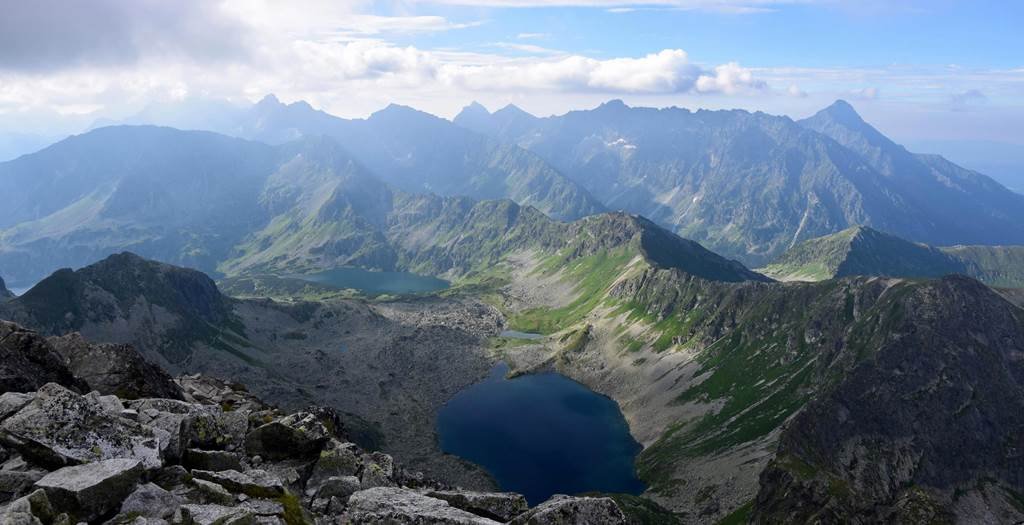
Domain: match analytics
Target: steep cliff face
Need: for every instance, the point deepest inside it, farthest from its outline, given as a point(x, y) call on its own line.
point(925, 427)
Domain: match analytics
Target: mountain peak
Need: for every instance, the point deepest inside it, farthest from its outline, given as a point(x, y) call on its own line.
point(513, 110)
point(613, 104)
point(269, 100)
point(842, 112)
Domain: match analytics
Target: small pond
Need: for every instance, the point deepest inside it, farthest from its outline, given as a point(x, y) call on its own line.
point(541, 434)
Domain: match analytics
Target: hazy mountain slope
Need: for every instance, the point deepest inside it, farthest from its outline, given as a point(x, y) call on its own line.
point(864, 251)
point(4, 292)
point(185, 197)
point(750, 185)
point(1000, 266)
point(418, 152)
point(324, 210)
point(960, 206)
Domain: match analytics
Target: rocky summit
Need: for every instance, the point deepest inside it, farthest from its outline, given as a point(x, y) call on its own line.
point(215, 454)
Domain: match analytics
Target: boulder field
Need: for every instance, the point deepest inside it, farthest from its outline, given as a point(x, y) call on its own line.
point(211, 453)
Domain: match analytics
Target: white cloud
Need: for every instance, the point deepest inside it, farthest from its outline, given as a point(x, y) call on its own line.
point(794, 91)
point(668, 71)
point(730, 79)
point(532, 36)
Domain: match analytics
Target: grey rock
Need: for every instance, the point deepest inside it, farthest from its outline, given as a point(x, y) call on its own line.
point(567, 510)
point(214, 460)
point(393, 506)
point(255, 483)
point(28, 361)
point(92, 490)
point(377, 471)
point(33, 509)
point(340, 487)
point(114, 369)
point(501, 506)
point(336, 459)
point(263, 507)
point(215, 515)
point(11, 402)
point(151, 501)
point(14, 484)
point(170, 477)
point(210, 492)
point(297, 435)
point(60, 427)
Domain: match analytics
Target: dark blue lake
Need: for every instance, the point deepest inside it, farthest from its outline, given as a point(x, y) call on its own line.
point(541, 434)
point(375, 283)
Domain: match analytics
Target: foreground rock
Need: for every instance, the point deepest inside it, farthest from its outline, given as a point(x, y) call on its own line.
point(501, 506)
point(59, 427)
point(387, 505)
point(565, 510)
point(94, 490)
point(219, 456)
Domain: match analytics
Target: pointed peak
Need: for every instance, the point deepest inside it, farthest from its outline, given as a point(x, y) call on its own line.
point(614, 103)
point(842, 112)
point(512, 109)
point(269, 100)
point(474, 110)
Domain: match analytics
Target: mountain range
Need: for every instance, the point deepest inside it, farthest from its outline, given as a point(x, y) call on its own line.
point(233, 206)
point(747, 185)
point(865, 251)
point(751, 185)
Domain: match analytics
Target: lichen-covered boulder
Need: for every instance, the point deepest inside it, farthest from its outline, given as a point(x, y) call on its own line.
point(302, 434)
point(395, 506)
point(501, 506)
point(59, 427)
point(216, 515)
point(92, 490)
point(567, 510)
point(254, 483)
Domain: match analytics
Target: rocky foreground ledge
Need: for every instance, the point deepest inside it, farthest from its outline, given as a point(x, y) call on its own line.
point(210, 453)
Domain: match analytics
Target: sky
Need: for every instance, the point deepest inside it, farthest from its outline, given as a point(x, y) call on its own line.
point(918, 70)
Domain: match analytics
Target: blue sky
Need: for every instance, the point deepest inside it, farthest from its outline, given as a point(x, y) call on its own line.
point(938, 70)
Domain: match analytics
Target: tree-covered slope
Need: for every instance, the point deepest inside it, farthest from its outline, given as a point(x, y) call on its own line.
point(864, 251)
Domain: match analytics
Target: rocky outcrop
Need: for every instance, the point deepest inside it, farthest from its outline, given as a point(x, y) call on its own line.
point(28, 362)
point(221, 456)
point(114, 369)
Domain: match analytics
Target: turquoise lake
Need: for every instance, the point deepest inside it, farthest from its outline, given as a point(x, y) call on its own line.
point(376, 283)
point(541, 434)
